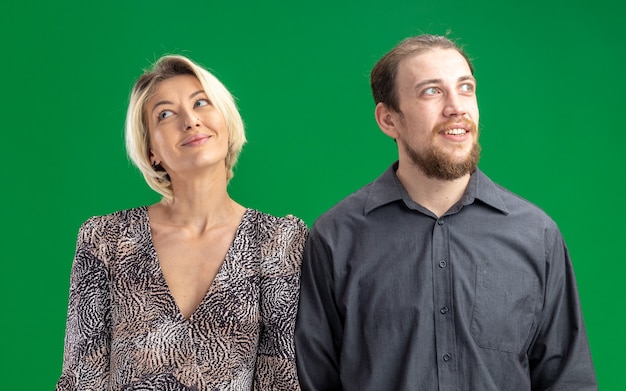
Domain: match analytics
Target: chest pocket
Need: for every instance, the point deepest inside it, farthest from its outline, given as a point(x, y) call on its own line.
point(503, 308)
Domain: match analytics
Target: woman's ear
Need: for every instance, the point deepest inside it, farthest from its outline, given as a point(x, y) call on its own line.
point(154, 160)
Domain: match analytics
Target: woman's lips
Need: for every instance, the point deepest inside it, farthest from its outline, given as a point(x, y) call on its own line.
point(194, 140)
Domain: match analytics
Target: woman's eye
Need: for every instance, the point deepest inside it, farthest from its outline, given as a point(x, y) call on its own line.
point(164, 114)
point(201, 102)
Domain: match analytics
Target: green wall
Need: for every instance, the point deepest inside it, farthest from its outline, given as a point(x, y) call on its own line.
point(550, 87)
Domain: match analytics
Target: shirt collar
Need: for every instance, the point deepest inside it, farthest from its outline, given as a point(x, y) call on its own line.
point(388, 188)
point(481, 188)
point(384, 190)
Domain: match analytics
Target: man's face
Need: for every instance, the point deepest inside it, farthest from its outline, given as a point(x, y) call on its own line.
point(437, 126)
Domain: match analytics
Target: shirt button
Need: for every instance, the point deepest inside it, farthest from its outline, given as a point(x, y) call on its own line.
point(446, 357)
point(444, 310)
point(440, 221)
point(442, 264)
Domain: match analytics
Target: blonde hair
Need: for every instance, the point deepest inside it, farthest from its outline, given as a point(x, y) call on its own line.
point(136, 129)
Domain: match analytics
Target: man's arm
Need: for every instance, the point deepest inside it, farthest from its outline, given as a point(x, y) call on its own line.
point(559, 357)
point(319, 325)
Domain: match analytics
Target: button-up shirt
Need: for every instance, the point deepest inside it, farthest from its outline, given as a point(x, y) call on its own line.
point(481, 298)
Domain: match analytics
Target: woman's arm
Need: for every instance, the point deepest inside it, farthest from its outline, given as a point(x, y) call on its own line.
point(280, 284)
point(87, 334)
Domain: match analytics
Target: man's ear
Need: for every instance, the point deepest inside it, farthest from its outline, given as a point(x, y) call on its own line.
point(387, 120)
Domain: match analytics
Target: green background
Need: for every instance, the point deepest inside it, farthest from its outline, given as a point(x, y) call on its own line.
point(551, 88)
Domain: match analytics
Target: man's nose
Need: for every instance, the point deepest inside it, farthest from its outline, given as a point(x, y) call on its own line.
point(454, 106)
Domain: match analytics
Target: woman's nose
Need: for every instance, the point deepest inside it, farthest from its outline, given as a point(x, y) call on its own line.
point(190, 121)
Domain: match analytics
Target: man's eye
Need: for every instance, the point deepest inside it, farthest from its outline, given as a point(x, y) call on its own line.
point(201, 102)
point(467, 87)
point(164, 114)
point(431, 91)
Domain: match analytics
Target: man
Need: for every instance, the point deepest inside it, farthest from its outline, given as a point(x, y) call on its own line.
point(433, 277)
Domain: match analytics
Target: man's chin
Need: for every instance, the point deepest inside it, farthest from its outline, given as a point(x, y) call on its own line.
point(449, 170)
point(439, 164)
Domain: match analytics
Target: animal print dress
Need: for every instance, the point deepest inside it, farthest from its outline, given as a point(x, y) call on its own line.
point(125, 331)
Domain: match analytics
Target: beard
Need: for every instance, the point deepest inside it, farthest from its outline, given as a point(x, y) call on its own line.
point(438, 164)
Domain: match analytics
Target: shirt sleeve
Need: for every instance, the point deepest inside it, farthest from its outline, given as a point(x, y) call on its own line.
point(87, 334)
point(280, 275)
point(319, 324)
point(560, 358)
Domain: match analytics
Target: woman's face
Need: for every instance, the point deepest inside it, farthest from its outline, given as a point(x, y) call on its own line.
point(187, 133)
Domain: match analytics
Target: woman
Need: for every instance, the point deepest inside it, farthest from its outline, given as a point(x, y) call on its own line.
point(195, 292)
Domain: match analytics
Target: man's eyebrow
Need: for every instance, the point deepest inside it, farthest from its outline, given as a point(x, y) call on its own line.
point(439, 81)
point(167, 102)
point(426, 82)
point(468, 77)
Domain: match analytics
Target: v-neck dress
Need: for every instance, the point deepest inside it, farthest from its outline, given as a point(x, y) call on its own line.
point(125, 332)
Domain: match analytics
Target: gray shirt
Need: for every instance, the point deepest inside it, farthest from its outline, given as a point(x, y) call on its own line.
point(482, 298)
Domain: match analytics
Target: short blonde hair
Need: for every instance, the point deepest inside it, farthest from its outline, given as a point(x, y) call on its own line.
point(136, 132)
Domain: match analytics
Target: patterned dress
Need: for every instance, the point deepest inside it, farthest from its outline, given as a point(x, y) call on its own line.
point(125, 331)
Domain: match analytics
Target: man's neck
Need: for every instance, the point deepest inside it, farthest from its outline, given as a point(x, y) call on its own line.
point(436, 195)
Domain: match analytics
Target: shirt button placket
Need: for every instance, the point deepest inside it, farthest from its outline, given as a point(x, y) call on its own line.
point(445, 333)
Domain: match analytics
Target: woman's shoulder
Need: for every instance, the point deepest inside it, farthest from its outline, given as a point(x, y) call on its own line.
point(109, 224)
point(272, 225)
point(280, 240)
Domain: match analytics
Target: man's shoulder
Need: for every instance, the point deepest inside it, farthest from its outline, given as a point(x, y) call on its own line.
point(350, 207)
point(353, 203)
point(358, 204)
point(518, 206)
